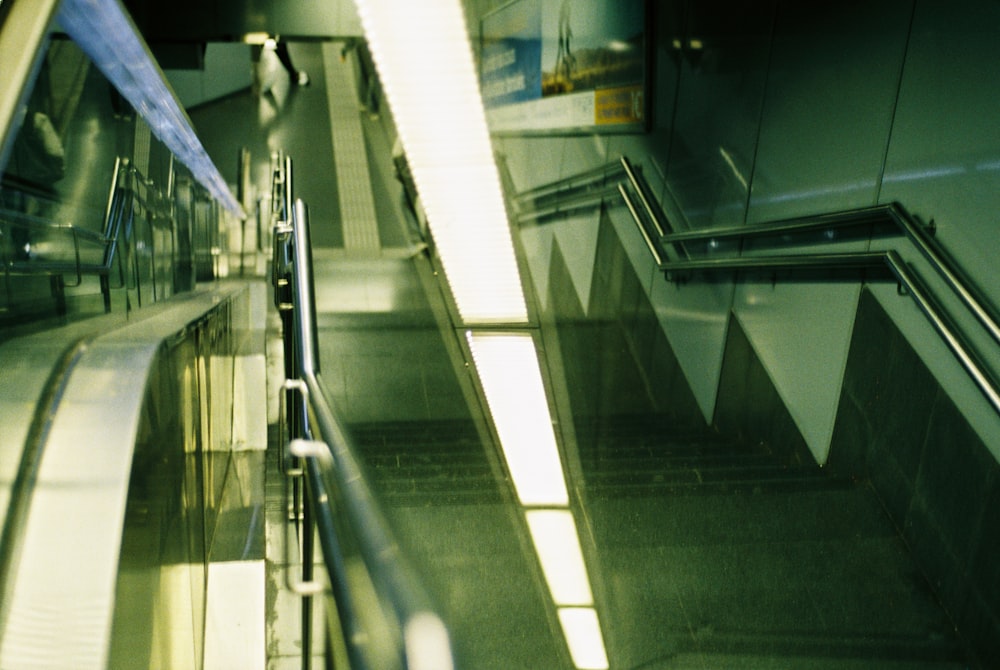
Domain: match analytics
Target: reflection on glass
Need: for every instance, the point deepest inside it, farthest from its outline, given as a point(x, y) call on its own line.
point(160, 597)
point(87, 223)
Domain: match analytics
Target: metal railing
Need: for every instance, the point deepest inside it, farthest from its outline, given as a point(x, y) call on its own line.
point(676, 253)
point(893, 216)
point(386, 617)
point(116, 251)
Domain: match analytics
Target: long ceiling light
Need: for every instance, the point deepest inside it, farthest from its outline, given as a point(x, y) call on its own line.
point(424, 61)
point(507, 364)
point(558, 546)
point(104, 31)
point(582, 630)
point(425, 64)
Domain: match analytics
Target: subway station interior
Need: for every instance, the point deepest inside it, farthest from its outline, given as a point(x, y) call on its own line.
point(499, 334)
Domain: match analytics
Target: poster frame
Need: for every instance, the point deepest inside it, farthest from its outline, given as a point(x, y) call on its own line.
point(547, 115)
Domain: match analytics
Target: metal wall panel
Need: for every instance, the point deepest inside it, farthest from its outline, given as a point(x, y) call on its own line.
point(943, 164)
point(723, 65)
point(831, 90)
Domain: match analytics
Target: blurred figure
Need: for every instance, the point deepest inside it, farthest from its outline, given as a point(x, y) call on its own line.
point(297, 77)
point(37, 162)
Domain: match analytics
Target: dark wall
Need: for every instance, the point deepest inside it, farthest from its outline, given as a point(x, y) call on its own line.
point(898, 428)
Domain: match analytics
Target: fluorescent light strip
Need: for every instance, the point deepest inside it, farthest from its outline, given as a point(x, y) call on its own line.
point(512, 382)
point(558, 547)
point(104, 31)
point(425, 65)
point(427, 643)
point(582, 631)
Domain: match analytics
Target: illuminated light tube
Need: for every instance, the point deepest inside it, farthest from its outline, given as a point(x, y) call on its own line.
point(104, 31)
point(424, 61)
point(508, 369)
point(427, 643)
point(558, 547)
point(256, 38)
point(582, 631)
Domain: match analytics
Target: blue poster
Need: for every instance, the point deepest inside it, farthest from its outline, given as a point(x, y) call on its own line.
point(565, 65)
point(512, 54)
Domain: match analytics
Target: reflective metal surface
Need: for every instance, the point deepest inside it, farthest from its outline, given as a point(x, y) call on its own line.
point(132, 598)
point(95, 214)
point(23, 27)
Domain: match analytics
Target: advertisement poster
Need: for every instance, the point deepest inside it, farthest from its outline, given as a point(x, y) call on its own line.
point(564, 66)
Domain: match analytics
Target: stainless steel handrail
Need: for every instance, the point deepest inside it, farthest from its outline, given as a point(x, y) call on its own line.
point(919, 235)
point(821, 222)
point(646, 237)
point(568, 204)
point(121, 197)
point(596, 174)
point(908, 277)
point(657, 236)
point(422, 636)
point(579, 191)
point(645, 197)
point(914, 284)
point(893, 214)
point(948, 270)
point(847, 260)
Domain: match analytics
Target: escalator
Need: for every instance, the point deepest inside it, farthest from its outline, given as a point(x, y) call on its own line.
point(117, 483)
point(699, 544)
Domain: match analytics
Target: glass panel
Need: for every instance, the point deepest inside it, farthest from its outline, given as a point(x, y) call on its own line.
point(87, 224)
point(160, 603)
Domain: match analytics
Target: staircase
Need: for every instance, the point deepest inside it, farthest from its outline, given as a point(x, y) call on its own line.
point(416, 463)
point(641, 455)
point(728, 555)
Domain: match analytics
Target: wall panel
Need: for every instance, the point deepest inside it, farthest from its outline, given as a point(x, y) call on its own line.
point(723, 54)
point(831, 91)
point(943, 164)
